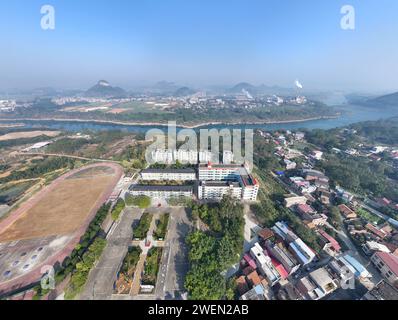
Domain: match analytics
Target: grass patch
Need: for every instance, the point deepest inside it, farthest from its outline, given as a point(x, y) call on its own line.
point(10, 193)
point(368, 216)
point(143, 226)
point(79, 277)
point(151, 268)
point(161, 227)
point(117, 209)
point(130, 262)
point(141, 202)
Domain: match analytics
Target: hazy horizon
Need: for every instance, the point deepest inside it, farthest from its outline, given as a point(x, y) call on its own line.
point(200, 44)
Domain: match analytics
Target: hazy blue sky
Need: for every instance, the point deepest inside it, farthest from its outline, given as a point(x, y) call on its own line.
point(200, 42)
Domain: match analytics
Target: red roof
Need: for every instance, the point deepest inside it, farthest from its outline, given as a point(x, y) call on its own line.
point(250, 261)
point(254, 278)
point(305, 208)
point(281, 269)
point(376, 231)
point(246, 271)
point(390, 260)
point(336, 246)
point(266, 234)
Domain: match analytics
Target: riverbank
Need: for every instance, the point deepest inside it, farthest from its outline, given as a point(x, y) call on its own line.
point(159, 124)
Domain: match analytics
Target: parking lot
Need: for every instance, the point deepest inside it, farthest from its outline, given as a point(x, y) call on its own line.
point(102, 278)
point(174, 263)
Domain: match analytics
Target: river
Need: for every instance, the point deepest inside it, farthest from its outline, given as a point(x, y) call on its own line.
point(351, 114)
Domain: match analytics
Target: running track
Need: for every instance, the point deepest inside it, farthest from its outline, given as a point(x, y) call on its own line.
point(35, 275)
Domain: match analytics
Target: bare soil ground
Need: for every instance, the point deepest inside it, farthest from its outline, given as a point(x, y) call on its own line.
point(28, 134)
point(64, 208)
point(117, 111)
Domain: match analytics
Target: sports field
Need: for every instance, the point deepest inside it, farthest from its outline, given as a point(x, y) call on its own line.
point(64, 206)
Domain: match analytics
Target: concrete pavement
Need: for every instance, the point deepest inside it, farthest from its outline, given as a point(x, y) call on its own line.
point(101, 280)
point(174, 263)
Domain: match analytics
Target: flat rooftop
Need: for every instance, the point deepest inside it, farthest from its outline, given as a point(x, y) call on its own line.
point(220, 166)
point(220, 184)
point(169, 171)
point(184, 188)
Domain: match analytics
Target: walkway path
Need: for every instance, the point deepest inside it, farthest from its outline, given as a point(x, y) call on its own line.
point(100, 283)
point(136, 286)
point(65, 156)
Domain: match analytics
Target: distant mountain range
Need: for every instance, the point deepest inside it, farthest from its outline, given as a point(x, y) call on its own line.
point(104, 90)
point(389, 100)
point(258, 90)
point(184, 92)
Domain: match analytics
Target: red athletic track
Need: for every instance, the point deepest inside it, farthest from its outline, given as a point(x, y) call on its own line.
point(35, 275)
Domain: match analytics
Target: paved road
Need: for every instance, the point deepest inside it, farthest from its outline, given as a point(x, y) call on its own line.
point(174, 264)
point(353, 251)
point(102, 278)
point(65, 156)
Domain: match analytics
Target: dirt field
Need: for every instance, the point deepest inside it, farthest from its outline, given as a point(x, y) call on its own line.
point(64, 207)
point(117, 111)
point(28, 134)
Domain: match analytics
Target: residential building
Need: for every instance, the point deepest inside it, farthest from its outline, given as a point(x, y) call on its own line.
point(218, 172)
point(257, 293)
point(328, 243)
point(382, 291)
point(345, 272)
point(288, 293)
point(219, 180)
point(305, 209)
point(228, 157)
point(344, 195)
point(301, 251)
point(290, 165)
point(250, 187)
point(283, 256)
point(322, 278)
point(265, 234)
point(168, 156)
point(371, 247)
point(376, 231)
point(292, 201)
point(355, 266)
point(299, 136)
point(168, 174)
point(162, 156)
point(347, 212)
point(216, 190)
point(308, 214)
point(282, 230)
point(309, 289)
point(161, 192)
point(253, 279)
point(242, 285)
point(264, 264)
point(315, 175)
point(301, 185)
point(387, 264)
point(316, 154)
point(206, 156)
